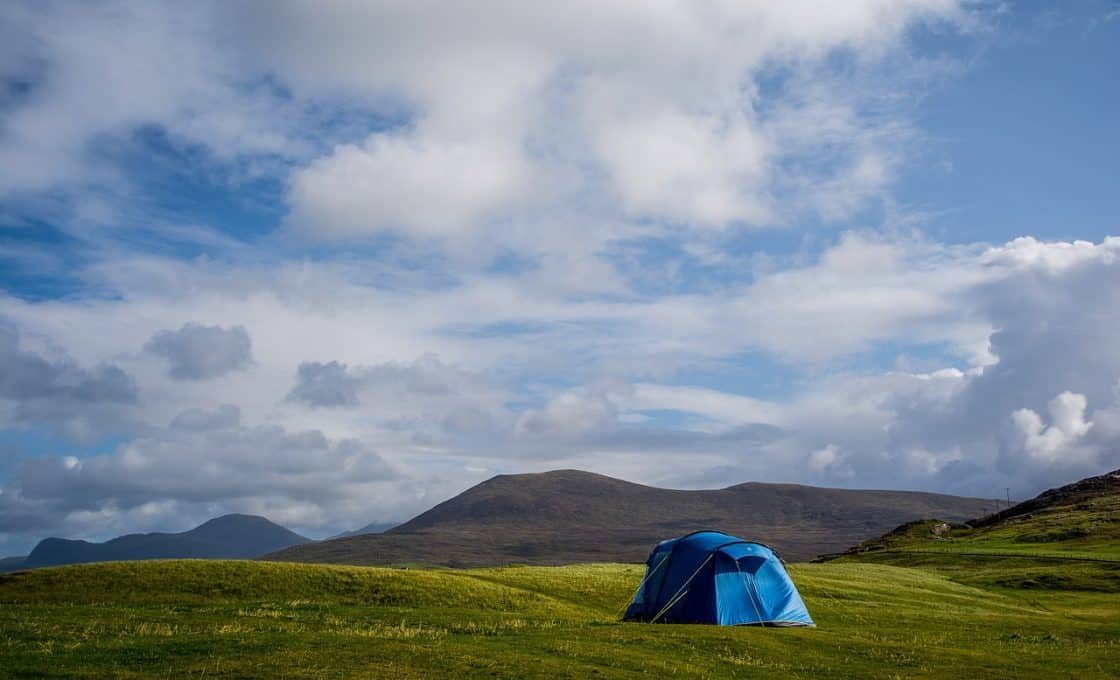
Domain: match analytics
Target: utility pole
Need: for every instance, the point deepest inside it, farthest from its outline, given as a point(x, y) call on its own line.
point(1009, 497)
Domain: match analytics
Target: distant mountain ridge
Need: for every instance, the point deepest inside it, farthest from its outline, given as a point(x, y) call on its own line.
point(568, 516)
point(231, 536)
point(12, 563)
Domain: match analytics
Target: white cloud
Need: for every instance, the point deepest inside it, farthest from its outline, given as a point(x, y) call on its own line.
point(572, 413)
point(728, 409)
point(486, 113)
point(692, 168)
point(593, 116)
point(408, 183)
point(1052, 257)
point(826, 461)
point(142, 64)
point(1067, 427)
point(513, 106)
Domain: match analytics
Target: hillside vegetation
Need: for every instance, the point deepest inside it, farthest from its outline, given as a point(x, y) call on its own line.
point(567, 516)
point(1079, 521)
point(257, 619)
point(1067, 538)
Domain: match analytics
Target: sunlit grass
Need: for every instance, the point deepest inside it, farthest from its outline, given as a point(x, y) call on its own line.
point(250, 619)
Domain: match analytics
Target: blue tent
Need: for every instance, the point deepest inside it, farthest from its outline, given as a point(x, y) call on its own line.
point(710, 577)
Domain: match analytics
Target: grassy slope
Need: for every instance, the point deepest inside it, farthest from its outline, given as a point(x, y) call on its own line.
point(1080, 521)
point(238, 619)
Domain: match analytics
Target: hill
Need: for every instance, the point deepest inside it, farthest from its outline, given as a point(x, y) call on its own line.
point(229, 536)
point(1079, 520)
point(12, 563)
point(1066, 538)
point(268, 620)
point(568, 516)
point(1085, 509)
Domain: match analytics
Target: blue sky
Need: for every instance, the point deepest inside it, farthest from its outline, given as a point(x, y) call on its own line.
point(1024, 137)
point(333, 264)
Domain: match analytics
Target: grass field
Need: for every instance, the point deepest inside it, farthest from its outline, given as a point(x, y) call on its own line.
point(995, 618)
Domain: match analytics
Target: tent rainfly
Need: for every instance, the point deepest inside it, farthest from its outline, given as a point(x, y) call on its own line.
point(710, 577)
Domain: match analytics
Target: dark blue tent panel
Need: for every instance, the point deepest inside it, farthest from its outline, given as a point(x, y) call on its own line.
point(710, 577)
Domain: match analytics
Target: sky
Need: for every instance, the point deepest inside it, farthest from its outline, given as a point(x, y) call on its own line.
point(335, 262)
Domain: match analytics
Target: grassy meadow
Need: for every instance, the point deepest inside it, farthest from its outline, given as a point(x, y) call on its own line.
point(278, 620)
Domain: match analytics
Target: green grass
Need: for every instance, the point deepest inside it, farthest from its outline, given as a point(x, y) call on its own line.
point(251, 619)
point(1078, 528)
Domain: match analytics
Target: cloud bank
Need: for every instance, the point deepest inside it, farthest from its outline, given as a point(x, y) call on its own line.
point(655, 240)
point(1018, 386)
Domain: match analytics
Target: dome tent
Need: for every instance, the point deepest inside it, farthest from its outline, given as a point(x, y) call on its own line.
point(710, 577)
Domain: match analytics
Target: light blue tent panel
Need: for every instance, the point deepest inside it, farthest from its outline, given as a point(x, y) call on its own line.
point(711, 577)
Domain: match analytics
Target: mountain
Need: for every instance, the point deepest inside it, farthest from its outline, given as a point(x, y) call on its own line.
point(1076, 521)
point(371, 528)
point(11, 563)
point(572, 516)
point(229, 536)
